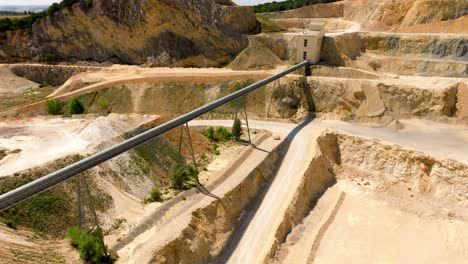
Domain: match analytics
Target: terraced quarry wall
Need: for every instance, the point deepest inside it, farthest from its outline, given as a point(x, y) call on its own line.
point(173, 98)
point(448, 47)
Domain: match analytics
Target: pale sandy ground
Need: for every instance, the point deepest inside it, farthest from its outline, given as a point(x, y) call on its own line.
point(370, 231)
point(353, 227)
point(10, 83)
point(439, 140)
point(17, 246)
point(436, 139)
point(44, 139)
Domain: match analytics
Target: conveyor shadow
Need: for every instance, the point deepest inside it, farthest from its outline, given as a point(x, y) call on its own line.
point(205, 191)
point(251, 210)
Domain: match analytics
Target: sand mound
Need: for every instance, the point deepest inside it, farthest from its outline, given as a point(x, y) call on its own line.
point(11, 83)
point(106, 127)
point(255, 56)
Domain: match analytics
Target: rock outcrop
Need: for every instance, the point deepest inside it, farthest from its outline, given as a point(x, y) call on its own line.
point(156, 32)
point(377, 98)
point(404, 13)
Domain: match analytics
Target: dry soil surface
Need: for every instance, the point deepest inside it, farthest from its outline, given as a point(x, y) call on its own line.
point(36, 141)
point(10, 83)
point(438, 140)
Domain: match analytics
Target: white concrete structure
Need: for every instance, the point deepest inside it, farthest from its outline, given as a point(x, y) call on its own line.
point(309, 43)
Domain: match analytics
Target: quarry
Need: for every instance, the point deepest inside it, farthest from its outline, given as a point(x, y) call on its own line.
point(359, 157)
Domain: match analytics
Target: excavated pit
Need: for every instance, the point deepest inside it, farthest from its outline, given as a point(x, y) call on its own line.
point(385, 197)
point(346, 171)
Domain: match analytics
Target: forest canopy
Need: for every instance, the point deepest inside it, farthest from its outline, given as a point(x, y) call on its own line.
point(287, 5)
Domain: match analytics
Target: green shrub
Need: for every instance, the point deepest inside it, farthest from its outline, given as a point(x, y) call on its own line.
point(237, 129)
point(219, 134)
point(76, 107)
point(49, 57)
point(193, 174)
point(183, 177)
point(54, 107)
point(89, 3)
point(178, 176)
point(11, 224)
point(89, 245)
point(155, 195)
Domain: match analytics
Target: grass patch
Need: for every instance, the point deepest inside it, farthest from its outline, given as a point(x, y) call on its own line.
point(268, 26)
point(28, 96)
point(113, 99)
point(53, 211)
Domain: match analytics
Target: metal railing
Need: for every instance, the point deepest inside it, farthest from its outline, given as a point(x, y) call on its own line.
point(37, 186)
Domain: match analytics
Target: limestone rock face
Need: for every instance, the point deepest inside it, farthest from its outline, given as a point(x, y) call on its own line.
point(158, 32)
point(404, 13)
point(376, 98)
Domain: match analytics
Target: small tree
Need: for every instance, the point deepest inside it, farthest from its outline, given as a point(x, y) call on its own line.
point(54, 107)
point(237, 129)
point(89, 245)
point(76, 107)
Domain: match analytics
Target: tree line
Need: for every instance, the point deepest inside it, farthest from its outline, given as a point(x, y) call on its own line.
point(27, 22)
point(287, 5)
point(13, 13)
